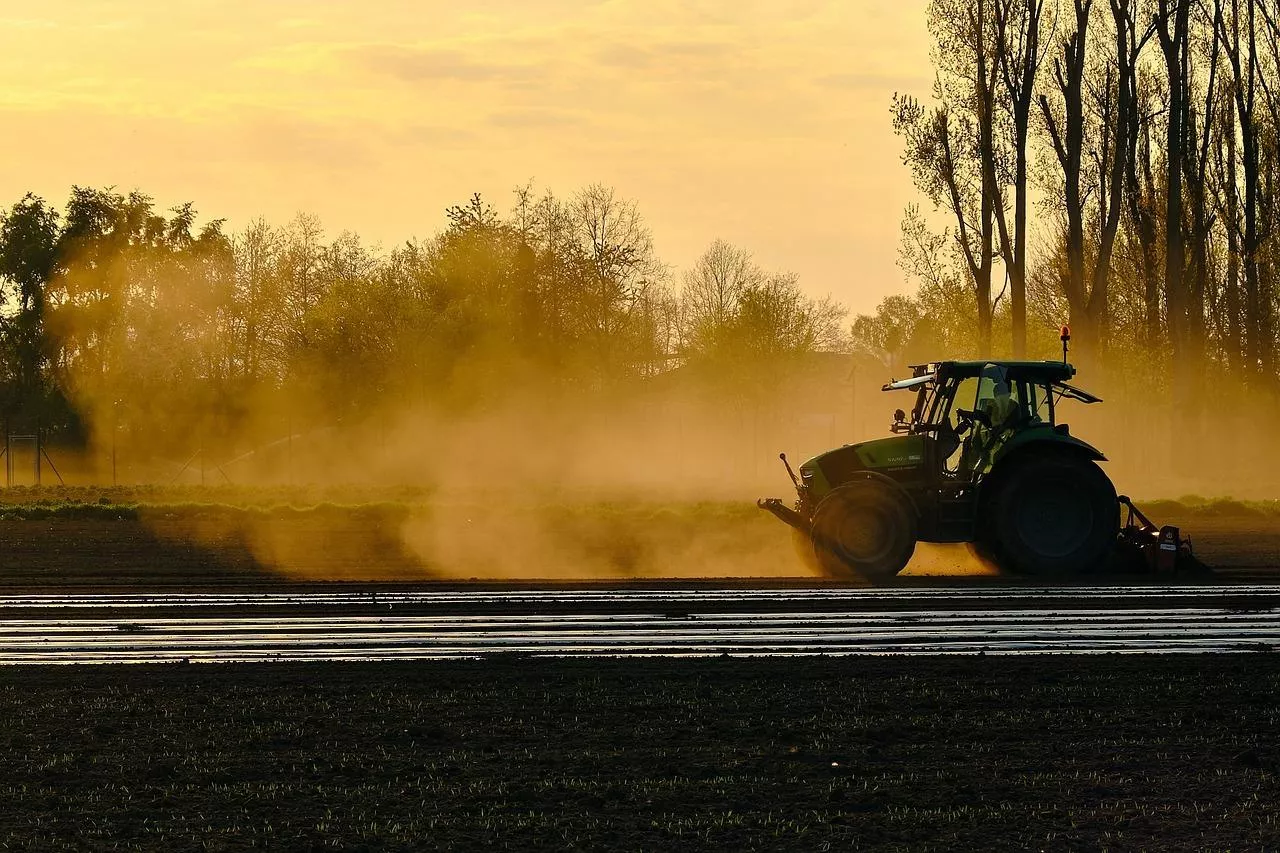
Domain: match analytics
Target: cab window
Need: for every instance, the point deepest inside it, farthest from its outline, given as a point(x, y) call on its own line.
point(999, 399)
point(964, 397)
point(1038, 403)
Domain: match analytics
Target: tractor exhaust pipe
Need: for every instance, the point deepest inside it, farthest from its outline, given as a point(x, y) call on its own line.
point(792, 474)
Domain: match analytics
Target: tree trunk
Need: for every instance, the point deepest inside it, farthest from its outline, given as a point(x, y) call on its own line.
point(1230, 338)
point(1172, 27)
point(1019, 67)
point(1243, 67)
point(1141, 192)
point(1068, 144)
point(985, 92)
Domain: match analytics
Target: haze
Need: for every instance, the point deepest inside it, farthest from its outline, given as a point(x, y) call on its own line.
point(765, 124)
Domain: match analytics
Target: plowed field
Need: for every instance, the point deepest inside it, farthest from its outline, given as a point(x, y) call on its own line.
point(1108, 752)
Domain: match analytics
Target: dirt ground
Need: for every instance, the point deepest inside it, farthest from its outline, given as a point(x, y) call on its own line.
point(1233, 542)
point(221, 550)
point(1106, 752)
point(1072, 752)
point(160, 552)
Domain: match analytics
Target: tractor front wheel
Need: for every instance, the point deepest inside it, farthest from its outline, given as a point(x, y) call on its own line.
point(864, 530)
point(1053, 515)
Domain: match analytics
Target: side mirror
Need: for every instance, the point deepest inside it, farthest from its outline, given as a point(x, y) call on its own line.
point(900, 422)
point(899, 416)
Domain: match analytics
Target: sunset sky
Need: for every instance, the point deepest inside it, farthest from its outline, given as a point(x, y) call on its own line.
point(762, 122)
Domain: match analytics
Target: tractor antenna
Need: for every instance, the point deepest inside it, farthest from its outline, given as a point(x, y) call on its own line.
point(1065, 337)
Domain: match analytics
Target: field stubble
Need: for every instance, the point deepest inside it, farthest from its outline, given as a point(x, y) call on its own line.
point(982, 753)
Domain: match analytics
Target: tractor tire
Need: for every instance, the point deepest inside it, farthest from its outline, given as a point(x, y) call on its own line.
point(864, 530)
point(1054, 514)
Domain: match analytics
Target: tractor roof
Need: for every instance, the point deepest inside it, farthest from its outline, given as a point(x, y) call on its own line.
point(1035, 371)
point(1031, 371)
point(1047, 372)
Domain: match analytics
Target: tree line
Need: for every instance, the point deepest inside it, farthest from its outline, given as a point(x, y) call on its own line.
point(121, 316)
point(1112, 165)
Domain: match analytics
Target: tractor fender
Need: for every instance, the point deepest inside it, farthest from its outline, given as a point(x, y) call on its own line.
point(888, 482)
point(1045, 439)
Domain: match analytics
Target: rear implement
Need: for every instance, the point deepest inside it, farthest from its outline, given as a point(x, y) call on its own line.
point(1145, 548)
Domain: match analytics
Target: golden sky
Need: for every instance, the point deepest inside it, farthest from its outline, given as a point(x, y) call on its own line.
point(762, 122)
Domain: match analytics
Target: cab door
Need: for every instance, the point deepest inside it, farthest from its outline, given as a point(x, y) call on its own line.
point(999, 410)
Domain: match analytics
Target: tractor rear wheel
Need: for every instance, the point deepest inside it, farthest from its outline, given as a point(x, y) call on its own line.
point(1054, 514)
point(864, 529)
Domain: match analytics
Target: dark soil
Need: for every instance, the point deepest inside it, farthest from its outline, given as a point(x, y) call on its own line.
point(152, 548)
point(1124, 753)
point(1231, 543)
point(158, 551)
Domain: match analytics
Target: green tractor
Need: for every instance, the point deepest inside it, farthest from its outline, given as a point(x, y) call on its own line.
point(982, 458)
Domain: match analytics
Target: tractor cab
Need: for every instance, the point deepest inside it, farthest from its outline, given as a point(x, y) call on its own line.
point(969, 411)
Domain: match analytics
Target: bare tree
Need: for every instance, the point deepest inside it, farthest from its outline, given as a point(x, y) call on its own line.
point(619, 250)
point(1018, 57)
point(1200, 130)
point(1227, 198)
point(303, 286)
point(1171, 25)
point(1107, 141)
point(713, 289)
point(1142, 194)
point(954, 149)
point(1239, 43)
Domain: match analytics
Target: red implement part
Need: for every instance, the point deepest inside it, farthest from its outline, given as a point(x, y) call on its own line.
point(1145, 547)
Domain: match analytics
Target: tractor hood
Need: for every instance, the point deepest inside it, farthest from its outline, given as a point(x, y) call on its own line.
point(886, 455)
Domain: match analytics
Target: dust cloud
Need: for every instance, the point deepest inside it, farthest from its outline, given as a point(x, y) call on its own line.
point(536, 490)
point(610, 426)
point(549, 484)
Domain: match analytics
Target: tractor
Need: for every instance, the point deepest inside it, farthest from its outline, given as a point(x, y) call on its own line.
point(982, 458)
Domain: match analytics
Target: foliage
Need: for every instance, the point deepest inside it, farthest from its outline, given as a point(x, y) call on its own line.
point(138, 322)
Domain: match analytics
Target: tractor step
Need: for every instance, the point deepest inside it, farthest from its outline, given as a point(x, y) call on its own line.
point(955, 515)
